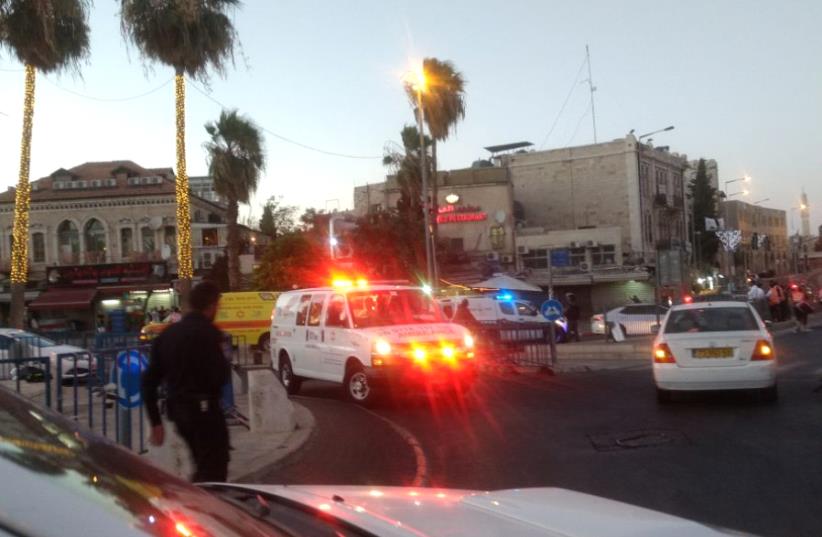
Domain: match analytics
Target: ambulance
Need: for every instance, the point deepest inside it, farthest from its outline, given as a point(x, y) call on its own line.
point(245, 315)
point(370, 338)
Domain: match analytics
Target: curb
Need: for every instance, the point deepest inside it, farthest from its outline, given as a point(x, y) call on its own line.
point(306, 425)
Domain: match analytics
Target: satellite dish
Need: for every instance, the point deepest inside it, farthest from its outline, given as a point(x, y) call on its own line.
point(500, 216)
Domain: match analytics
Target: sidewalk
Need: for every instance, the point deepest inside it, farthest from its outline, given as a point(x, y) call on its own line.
point(252, 454)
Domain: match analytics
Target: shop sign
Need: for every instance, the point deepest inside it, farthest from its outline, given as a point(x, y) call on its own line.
point(452, 214)
point(120, 273)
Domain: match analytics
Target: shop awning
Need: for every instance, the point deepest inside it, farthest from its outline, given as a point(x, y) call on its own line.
point(57, 299)
point(110, 290)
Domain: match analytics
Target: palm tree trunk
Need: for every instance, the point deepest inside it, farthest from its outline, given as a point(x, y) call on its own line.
point(233, 246)
point(185, 270)
point(434, 212)
point(20, 233)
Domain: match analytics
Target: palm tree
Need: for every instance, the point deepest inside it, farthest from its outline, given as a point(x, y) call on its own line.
point(50, 36)
point(236, 159)
point(191, 36)
point(443, 102)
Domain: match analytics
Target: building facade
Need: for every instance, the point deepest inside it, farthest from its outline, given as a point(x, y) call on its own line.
point(202, 186)
point(764, 245)
point(109, 212)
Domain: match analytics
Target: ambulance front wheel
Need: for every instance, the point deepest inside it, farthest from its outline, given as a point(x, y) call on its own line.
point(290, 381)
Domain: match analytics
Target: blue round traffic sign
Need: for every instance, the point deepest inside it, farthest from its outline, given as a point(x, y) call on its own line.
point(551, 309)
point(130, 367)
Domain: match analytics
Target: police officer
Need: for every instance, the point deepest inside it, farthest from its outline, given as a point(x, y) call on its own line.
point(188, 358)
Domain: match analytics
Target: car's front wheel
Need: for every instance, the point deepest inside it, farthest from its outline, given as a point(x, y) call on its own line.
point(358, 388)
point(290, 381)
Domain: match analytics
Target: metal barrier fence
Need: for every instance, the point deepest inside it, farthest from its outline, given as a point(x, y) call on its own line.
point(101, 392)
point(523, 344)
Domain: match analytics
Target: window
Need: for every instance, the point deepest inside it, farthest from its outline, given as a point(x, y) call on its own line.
point(536, 259)
point(577, 256)
point(207, 260)
point(649, 230)
point(210, 237)
point(644, 187)
point(170, 238)
point(38, 246)
point(95, 236)
point(526, 309)
point(506, 308)
point(147, 238)
point(677, 184)
point(394, 307)
point(302, 311)
point(662, 182)
point(126, 242)
point(316, 310)
point(336, 315)
point(728, 319)
point(604, 255)
point(68, 242)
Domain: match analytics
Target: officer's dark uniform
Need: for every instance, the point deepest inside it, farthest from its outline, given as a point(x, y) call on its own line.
point(188, 358)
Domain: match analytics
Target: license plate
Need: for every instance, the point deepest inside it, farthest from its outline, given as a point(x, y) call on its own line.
point(714, 352)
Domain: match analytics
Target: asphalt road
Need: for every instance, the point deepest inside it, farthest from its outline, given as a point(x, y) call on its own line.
point(724, 459)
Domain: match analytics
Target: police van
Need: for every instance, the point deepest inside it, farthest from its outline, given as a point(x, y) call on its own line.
point(369, 338)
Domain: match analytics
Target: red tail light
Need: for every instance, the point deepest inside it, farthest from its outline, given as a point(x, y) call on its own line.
point(663, 355)
point(762, 351)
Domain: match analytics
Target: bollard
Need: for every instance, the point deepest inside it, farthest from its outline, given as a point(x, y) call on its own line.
point(269, 409)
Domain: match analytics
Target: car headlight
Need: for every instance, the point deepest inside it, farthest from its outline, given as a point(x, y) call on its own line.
point(468, 341)
point(382, 347)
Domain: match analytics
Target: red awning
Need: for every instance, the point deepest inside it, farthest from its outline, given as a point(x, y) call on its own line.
point(57, 299)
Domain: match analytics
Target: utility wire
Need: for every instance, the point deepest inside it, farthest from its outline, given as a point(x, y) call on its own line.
point(567, 98)
point(284, 138)
point(110, 100)
point(579, 123)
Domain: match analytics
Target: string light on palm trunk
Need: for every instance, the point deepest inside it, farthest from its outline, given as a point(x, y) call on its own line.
point(185, 269)
point(22, 199)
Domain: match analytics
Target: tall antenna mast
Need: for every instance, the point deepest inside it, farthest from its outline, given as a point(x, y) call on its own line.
point(592, 88)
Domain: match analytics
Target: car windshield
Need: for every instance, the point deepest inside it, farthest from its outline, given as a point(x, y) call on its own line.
point(392, 307)
point(34, 340)
point(711, 320)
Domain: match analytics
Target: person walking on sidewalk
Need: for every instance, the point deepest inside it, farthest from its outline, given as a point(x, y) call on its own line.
point(801, 308)
point(775, 298)
point(188, 358)
point(572, 315)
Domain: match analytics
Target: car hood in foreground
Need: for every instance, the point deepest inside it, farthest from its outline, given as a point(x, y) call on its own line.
point(400, 511)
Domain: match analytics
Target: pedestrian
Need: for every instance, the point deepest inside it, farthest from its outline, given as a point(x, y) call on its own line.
point(188, 358)
point(101, 324)
point(464, 316)
point(572, 316)
point(801, 308)
point(174, 316)
point(756, 296)
point(775, 297)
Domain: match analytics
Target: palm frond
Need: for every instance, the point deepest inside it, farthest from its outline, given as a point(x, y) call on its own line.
point(444, 98)
point(51, 35)
point(193, 36)
point(236, 155)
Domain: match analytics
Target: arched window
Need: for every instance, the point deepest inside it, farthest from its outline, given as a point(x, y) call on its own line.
point(38, 247)
point(68, 242)
point(95, 237)
point(126, 242)
point(147, 239)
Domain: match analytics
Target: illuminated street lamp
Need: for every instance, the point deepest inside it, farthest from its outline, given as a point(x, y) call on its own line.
point(740, 193)
point(744, 178)
point(761, 201)
point(415, 79)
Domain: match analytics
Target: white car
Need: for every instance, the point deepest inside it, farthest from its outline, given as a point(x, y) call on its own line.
point(714, 346)
point(634, 319)
point(94, 487)
point(75, 362)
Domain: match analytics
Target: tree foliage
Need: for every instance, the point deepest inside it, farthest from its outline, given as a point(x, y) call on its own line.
point(236, 160)
point(408, 171)
point(389, 246)
point(192, 36)
point(50, 35)
point(291, 260)
point(277, 219)
point(443, 100)
point(704, 199)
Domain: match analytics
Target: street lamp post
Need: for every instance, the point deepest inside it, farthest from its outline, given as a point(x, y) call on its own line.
point(654, 216)
point(419, 87)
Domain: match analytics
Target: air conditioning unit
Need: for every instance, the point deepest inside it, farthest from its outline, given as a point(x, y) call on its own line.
point(111, 182)
point(81, 184)
point(145, 180)
point(492, 256)
point(592, 244)
point(584, 267)
point(156, 180)
point(522, 250)
point(97, 183)
point(575, 244)
point(133, 181)
point(35, 186)
point(57, 185)
point(508, 259)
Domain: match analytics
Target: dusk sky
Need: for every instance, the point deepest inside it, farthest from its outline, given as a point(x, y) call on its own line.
point(740, 80)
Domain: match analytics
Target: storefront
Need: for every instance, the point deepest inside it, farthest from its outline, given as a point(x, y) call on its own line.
point(111, 297)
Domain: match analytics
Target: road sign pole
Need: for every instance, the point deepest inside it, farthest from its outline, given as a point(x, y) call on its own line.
point(551, 309)
point(552, 330)
point(550, 282)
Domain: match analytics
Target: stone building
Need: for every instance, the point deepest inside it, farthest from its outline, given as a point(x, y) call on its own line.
point(764, 244)
point(110, 212)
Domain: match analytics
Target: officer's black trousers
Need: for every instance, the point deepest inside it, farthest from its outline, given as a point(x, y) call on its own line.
point(202, 426)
